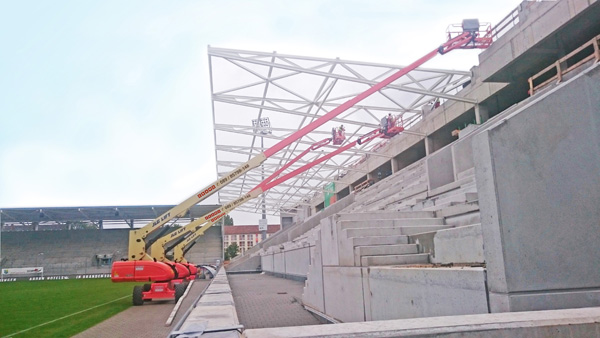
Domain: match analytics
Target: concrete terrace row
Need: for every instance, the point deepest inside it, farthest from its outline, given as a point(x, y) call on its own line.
point(477, 226)
point(66, 252)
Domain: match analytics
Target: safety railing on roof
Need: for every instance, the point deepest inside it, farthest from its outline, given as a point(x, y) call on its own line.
point(511, 20)
point(591, 47)
point(508, 22)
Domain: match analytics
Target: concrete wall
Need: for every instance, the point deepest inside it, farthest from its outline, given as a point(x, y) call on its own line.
point(63, 251)
point(289, 262)
point(208, 248)
point(458, 245)
point(421, 292)
point(279, 263)
point(267, 263)
point(312, 294)
point(343, 287)
point(538, 173)
point(462, 155)
point(354, 294)
point(251, 264)
point(297, 261)
point(440, 169)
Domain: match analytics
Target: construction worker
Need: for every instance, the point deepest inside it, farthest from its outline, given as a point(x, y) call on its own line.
point(384, 124)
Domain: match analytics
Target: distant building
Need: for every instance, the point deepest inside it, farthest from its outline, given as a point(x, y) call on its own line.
point(246, 236)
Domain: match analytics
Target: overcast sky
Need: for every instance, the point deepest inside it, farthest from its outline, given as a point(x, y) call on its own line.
point(108, 102)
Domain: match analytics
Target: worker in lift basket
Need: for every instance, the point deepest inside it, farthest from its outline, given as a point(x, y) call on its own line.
point(387, 122)
point(341, 131)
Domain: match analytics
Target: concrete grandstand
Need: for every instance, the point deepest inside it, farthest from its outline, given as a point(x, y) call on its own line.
point(481, 219)
point(69, 241)
point(498, 215)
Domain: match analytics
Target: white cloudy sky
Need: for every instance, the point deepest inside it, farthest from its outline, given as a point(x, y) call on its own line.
point(108, 102)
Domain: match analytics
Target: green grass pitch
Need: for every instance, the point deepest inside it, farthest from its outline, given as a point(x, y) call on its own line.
point(26, 304)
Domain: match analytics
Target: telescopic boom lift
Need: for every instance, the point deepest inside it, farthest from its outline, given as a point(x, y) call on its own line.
point(469, 38)
point(186, 244)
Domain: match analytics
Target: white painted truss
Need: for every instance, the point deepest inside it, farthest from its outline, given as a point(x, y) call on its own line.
point(293, 91)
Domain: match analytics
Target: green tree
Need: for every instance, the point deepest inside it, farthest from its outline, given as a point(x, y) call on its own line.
point(228, 220)
point(231, 251)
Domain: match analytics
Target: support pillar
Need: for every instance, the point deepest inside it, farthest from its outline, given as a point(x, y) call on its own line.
point(394, 163)
point(428, 145)
point(481, 114)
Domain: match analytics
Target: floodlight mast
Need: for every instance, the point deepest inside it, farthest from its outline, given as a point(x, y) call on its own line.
point(469, 39)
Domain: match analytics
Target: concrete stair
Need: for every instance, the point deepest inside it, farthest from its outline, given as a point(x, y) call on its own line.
point(378, 240)
point(383, 250)
point(401, 230)
point(379, 215)
point(404, 184)
point(394, 260)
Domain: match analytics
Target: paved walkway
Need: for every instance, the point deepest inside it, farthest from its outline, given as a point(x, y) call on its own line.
point(263, 301)
point(146, 321)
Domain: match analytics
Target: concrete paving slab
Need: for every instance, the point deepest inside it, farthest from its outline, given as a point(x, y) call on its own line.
point(265, 301)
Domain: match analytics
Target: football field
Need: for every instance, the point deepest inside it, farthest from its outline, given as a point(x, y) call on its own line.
point(59, 308)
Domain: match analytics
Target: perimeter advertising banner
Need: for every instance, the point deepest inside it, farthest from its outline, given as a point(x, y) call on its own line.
point(22, 271)
point(329, 192)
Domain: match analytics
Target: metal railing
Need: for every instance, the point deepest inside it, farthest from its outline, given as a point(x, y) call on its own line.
point(558, 65)
point(508, 22)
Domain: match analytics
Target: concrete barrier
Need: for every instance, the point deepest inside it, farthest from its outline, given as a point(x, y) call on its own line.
point(214, 314)
point(459, 245)
point(557, 323)
point(538, 173)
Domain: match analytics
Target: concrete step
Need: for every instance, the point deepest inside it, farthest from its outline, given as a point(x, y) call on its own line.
point(383, 223)
point(458, 191)
point(384, 250)
point(450, 186)
point(394, 260)
point(399, 196)
point(466, 173)
point(412, 201)
point(459, 245)
point(458, 209)
point(463, 197)
point(379, 240)
point(391, 231)
point(363, 216)
point(440, 206)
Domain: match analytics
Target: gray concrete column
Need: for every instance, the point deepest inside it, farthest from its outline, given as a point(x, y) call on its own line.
point(394, 163)
point(481, 113)
point(538, 197)
point(428, 145)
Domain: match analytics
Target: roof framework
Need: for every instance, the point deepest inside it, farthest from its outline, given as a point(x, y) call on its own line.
point(293, 91)
point(111, 216)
